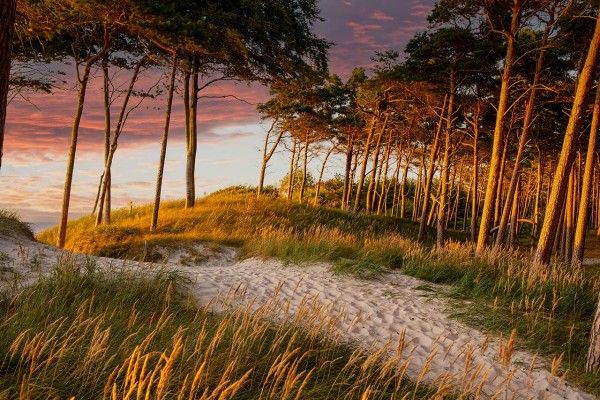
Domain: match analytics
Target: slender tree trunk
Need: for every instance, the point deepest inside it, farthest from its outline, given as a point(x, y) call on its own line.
point(8, 10)
point(429, 179)
point(267, 154)
point(163, 145)
point(352, 176)
point(347, 173)
point(567, 156)
point(115, 139)
point(371, 187)
point(569, 226)
point(487, 216)
point(192, 138)
point(538, 192)
point(512, 235)
point(475, 199)
point(443, 207)
point(290, 188)
point(588, 175)
point(318, 187)
point(304, 167)
point(403, 186)
point(525, 134)
point(383, 196)
point(107, 205)
point(83, 82)
point(363, 168)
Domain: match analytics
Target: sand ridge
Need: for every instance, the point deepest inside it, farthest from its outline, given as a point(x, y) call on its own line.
point(375, 312)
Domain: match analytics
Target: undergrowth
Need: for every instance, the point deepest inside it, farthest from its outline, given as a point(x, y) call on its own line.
point(84, 333)
point(551, 310)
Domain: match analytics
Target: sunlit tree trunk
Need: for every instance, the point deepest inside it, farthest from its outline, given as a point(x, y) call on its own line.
point(163, 145)
point(290, 187)
point(383, 176)
point(83, 82)
point(538, 193)
point(376, 151)
point(432, 166)
point(115, 140)
point(588, 175)
point(487, 215)
point(318, 187)
point(512, 235)
point(304, 166)
point(443, 204)
point(403, 185)
point(7, 22)
point(567, 155)
point(107, 130)
point(267, 154)
point(192, 138)
point(363, 168)
point(347, 173)
point(569, 227)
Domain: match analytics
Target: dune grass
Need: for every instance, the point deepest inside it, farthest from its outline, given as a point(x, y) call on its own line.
point(551, 310)
point(89, 334)
point(12, 225)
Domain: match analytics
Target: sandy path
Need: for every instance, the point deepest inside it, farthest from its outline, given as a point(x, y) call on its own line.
point(376, 311)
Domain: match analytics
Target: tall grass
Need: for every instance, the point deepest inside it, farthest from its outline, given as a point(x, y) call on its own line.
point(550, 310)
point(12, 225)
point(89, 334)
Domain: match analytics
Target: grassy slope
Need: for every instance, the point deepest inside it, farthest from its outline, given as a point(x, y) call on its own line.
point(551, 310)
point(92, 335)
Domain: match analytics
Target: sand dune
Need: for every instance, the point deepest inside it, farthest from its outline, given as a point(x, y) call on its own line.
point(372, 313)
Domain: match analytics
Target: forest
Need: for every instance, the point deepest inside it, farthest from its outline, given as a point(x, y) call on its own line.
point(482, 130)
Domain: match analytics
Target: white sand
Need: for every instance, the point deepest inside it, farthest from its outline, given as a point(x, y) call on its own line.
point(375, 312)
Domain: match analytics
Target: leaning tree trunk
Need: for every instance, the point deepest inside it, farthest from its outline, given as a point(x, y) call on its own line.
point(588, 176)
point(487, 215)
point(429, 177)
point(567, 155)
point(291, 173)
point(527, 121)
point(192, 139)
point(363, 167)
point(163, 145)
point(115, 139)
point(106, 137)
point(267, 154)
point(377, 150)
point(443, 207)
point(304, 167)
point(83, 82)
point(318, 187)
point(592, 363)
point(8, 10)
point(347, 172)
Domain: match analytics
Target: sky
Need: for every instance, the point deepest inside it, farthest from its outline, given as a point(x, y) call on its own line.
point(231, 132)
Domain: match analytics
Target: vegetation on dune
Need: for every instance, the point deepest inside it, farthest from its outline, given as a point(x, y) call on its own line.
point(552, 310)
point(88, 334)
point(11, 225)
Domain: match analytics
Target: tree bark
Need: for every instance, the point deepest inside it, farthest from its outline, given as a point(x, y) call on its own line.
point(290, 188)
point(83, 82)
point(363, 168)
point(192, 138)
point(592, 363)
point(588, 175)
point(163, 145)
point(267, 154)
point(304, 167)
point(318, 187)
point(429, 179)
point(567, 155)
point(8, 10)
point(443, 207)
point(347, 173)
point(371, 187)
point(487, 215)
point(115, 140)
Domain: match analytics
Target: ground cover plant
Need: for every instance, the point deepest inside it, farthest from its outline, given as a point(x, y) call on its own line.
point(84, 333)
point(551, 310)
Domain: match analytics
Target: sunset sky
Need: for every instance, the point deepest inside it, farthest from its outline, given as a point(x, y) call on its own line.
point(230, 131)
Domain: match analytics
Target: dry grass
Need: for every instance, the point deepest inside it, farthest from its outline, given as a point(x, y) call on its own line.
point(551, 310)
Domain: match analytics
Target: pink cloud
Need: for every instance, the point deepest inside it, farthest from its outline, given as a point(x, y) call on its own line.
point(381, 16)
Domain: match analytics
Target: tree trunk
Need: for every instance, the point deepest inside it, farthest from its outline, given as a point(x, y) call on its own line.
point(363, 168)
point(371, 187)
point(512, 235)
point(267, 154)
point(592, 363)
point(431, 172)
point(568, 233)
point(115, 140)
point(588, 175)
point(83, 82)
point(538, 192)
point(107, 204)
point(525, 134)
point(8, 10)
point(383, 196)
point(487, 215)
point(318, 187)
point(304, 167)
point(163, 145)
point(290, 188)
point(192, 138)
point(567, 155)
point(443, 207)
point(347, 172)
